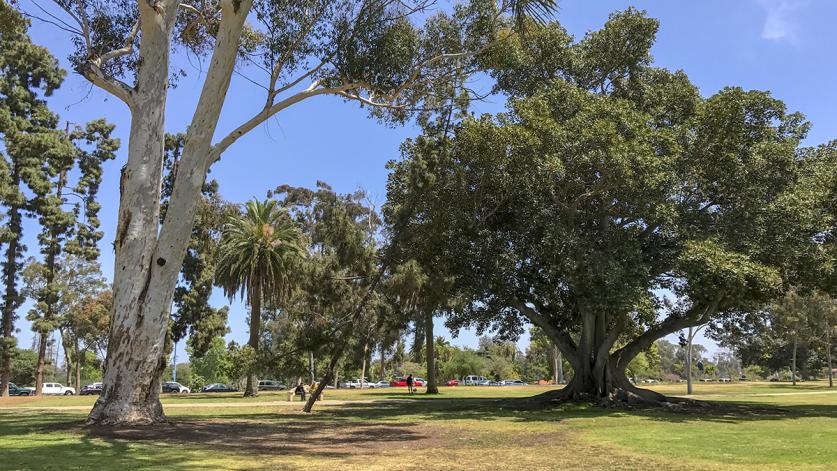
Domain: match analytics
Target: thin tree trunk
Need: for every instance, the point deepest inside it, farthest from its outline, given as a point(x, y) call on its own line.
point(252, 388)
point(68, 360)
point(560, 366)
point(555, 362)
point(383, 362)
point(828, 347)
point(363, 365)
point(793, 362)
point(689, 387)
point(332, 366)
point(311, 367)
point(430, 347)
point(39, 371)
point(418, 339)
point(79, 360)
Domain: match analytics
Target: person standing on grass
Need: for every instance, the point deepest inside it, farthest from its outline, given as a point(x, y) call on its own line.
point(300, 391)
point(410, 384)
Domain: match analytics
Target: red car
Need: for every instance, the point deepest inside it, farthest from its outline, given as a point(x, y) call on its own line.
point(402, 383)
point(453, 382)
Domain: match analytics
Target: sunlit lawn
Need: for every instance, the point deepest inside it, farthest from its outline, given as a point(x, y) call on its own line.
point(463, 428)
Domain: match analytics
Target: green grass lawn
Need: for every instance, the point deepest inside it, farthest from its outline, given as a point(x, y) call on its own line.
point(463, 428)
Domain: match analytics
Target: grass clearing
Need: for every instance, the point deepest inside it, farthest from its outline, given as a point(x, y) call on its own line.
point(464, 428)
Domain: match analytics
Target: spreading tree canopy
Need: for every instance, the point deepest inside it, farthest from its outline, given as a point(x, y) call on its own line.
point(611, 205)
point(387, 55)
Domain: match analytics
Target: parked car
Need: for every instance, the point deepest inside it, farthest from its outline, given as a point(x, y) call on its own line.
point(173, 387)
point(218, 387)
point(357, 384)
point(57, 389)
point(452, 382)
point(381, 384)
point(401, 383)
point(15, 390)
point(271, 385)
point(513, 382)
point(473, 380)
point(91, 389)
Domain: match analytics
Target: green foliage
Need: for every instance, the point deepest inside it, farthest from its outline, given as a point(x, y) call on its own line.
point(239, 361)
point(256, 254)
point(607, 182)
point(32, 148)
point(24, 363)
point(336, 305)
point(36, 165)
point(645, 365)
point(211, 367)
point(192, 313)
point(386, 54)
point(462, 363)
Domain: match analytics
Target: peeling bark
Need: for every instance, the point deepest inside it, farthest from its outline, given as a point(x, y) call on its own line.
point(143, 289)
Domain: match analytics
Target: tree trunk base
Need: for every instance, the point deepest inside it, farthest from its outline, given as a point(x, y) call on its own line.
point(126, 414)
point(625, 396)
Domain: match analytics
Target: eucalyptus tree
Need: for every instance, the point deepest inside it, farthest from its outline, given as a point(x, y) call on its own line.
point(372, 52)
point(257, 254)
point(606, 181)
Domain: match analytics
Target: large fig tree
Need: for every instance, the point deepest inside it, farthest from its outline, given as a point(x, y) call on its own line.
point(610, 206)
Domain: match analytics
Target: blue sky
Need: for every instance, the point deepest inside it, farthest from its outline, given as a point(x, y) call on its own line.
point(785, 46)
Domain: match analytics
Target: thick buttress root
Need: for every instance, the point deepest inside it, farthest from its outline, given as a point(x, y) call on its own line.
point(128, 415)
point(624, 396)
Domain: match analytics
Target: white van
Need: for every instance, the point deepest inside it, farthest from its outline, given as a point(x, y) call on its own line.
point(473, 380)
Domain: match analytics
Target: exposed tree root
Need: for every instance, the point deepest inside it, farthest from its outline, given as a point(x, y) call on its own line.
point(624, 397)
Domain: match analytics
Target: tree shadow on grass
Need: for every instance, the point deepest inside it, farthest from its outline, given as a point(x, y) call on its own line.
point(519, 409)
point(288, 433)
point(36, 440)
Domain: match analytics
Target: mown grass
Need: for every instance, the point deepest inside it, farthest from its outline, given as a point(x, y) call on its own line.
point(464, 428)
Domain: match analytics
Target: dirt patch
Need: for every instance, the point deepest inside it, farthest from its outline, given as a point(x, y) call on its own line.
point(285, 437)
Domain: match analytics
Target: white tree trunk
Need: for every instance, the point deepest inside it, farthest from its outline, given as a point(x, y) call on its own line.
point(139, 314)
point(363, 366)
point(148, 262)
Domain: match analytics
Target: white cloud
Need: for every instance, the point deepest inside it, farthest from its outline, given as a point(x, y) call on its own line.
point(782, 23)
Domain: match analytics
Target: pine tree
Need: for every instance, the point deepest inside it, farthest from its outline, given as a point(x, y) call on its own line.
point(28, 73)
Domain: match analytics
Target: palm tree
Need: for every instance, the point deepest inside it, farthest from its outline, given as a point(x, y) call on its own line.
point(255, 257)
